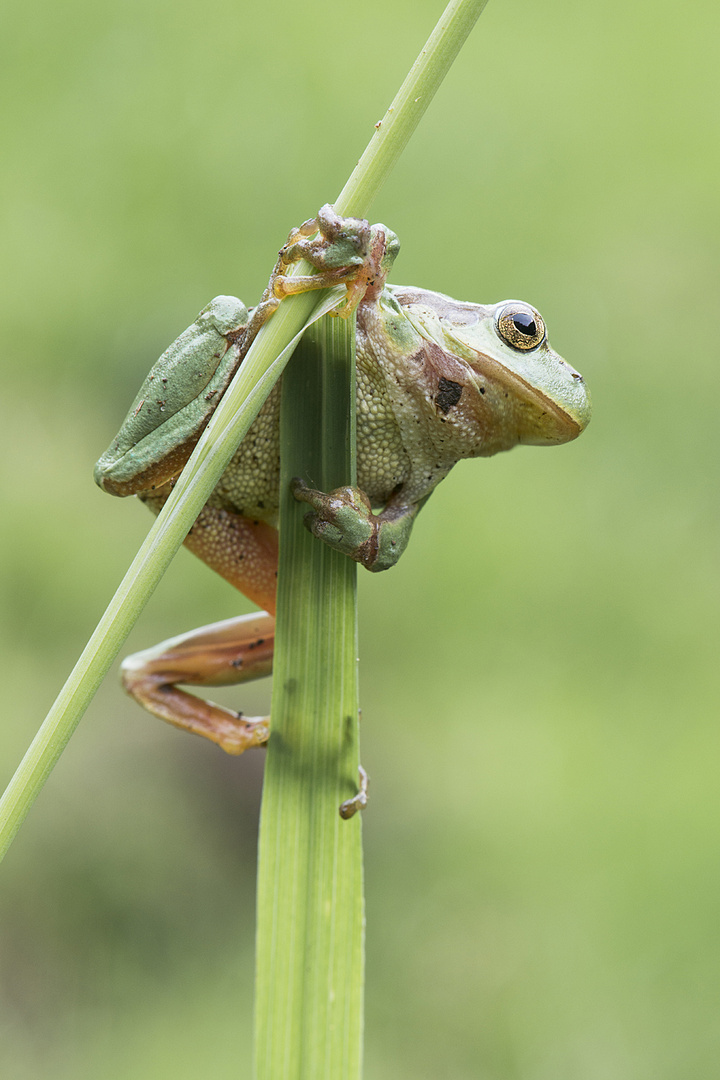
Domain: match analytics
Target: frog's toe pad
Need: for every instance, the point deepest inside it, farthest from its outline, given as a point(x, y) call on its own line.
point(359, 801)
point(324, 530)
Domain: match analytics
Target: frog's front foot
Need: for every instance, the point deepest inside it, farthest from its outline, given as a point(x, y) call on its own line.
point(344, 520)
point(344, 251)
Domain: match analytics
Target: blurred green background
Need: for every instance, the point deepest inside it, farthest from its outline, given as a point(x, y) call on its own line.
point(539, 674)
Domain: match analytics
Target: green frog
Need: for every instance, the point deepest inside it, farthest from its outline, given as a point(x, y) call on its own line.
point(437, 380)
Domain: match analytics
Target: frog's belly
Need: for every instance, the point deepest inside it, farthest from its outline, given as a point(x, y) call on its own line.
point(250, 484)
point(382, 462)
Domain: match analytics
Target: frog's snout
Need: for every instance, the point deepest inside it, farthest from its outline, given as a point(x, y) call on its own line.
point(577, 404)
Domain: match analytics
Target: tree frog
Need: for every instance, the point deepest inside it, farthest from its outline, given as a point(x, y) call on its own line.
point(437, 380)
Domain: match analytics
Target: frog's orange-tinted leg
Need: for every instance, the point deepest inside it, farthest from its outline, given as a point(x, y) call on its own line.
point(245, 552)
point(242, 550)
point(220, 654)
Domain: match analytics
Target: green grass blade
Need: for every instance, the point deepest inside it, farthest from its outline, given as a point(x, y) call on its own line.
point(309, 987)
point(252, 383)
point(310, 958)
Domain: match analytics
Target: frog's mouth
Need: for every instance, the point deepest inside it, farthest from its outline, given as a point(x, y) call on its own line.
point(540, 419)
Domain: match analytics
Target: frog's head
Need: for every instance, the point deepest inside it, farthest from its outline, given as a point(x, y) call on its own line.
point(552, 403)
point(500, 383)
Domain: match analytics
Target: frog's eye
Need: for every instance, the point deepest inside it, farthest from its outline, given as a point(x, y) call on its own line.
point(520, 326)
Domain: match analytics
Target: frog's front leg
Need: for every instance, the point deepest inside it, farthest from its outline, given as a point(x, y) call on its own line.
point(344, 519)
point(221, 654)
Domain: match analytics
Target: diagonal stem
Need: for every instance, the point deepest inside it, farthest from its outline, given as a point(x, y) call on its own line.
point(239, 406)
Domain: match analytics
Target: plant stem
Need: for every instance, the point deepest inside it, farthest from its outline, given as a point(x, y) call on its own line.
point(309, 990)
point(309, 984)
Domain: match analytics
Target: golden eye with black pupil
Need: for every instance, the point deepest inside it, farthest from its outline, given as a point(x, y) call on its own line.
point(520, 326)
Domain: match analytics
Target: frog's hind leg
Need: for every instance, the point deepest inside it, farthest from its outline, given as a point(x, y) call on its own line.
point(221, 654)
point(242, 550)
point(245, 552)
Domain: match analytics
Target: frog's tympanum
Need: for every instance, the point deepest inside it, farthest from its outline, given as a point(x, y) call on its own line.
point(437, 380)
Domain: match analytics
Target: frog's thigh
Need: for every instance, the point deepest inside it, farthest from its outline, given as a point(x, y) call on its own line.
point(243, 551)
point(221, 654)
